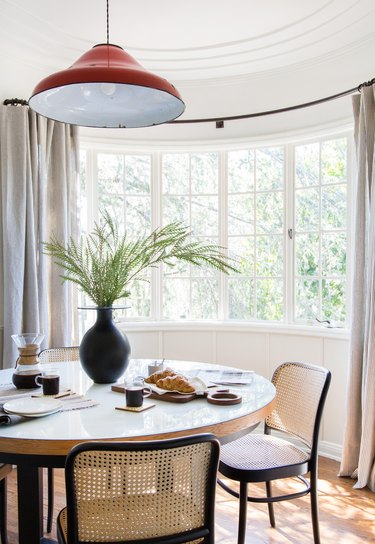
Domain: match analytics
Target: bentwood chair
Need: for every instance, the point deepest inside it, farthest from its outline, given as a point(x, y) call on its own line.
point(4, 471)
point(157, 492)
point(301, 390)
point(56, 355)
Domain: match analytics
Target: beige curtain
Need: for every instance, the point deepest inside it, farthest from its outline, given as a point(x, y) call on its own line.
point(358, 459)
point(39, 197)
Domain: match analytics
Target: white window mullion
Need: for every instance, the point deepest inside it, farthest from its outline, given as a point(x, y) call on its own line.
point(223, 230)
point(289, 234)
point(156, 222)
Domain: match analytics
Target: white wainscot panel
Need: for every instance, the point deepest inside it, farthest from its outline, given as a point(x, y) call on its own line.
point(144, 345)
point(285, 347)
point(336, 360)
point(188, 345)
point(242, 349)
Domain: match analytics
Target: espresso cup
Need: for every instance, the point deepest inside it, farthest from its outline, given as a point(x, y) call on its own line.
point(135, 394)
point(50, 383)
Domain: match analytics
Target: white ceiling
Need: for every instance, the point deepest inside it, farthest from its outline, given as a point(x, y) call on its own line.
point(226, 58)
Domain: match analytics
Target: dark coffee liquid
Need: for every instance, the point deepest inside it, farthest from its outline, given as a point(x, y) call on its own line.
point(50, 384)
point(25, 380)
point(134, 397)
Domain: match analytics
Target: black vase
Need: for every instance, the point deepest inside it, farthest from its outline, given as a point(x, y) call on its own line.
point(104, 350)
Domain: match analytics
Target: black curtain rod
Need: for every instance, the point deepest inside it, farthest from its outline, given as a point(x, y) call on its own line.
point(220, 120)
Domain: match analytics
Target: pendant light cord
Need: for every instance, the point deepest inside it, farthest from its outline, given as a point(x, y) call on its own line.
point(107, 22)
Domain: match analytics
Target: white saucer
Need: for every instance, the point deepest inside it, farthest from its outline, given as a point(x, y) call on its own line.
point(32, 407)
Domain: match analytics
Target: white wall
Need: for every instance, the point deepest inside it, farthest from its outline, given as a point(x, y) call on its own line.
point(259, 348)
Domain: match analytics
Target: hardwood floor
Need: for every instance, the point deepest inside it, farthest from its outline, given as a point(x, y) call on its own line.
point(347, 516)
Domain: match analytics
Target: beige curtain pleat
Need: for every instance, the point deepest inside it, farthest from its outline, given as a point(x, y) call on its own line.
point(358, 459)
point(39, 163)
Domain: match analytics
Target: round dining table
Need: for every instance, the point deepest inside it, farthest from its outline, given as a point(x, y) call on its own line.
point(38, 442)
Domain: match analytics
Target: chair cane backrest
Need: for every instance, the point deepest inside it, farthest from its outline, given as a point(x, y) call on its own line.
point(59, 355)
point(300, 394)
point(133, 491)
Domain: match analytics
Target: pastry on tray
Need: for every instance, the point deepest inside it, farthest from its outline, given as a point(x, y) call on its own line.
point(175, 383)
point(160, 375)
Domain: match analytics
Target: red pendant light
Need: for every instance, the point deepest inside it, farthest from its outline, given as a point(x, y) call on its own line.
point(106, 87)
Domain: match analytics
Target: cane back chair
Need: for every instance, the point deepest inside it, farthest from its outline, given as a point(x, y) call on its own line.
point(55, 355)
point(301, 390)
point(150, 492)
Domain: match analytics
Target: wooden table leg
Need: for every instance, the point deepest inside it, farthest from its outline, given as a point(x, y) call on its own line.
point(30, 504)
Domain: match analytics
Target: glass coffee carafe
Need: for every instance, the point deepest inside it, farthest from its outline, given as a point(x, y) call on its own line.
point(27, 364)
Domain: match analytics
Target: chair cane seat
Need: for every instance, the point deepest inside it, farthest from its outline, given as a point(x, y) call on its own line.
point(260, 452)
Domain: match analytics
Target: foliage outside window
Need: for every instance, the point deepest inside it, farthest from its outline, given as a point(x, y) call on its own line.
point(246, 200)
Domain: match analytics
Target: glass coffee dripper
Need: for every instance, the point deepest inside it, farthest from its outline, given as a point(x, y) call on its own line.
point(27, 364)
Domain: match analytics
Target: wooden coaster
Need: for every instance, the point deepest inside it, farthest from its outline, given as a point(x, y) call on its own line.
point(134, 409)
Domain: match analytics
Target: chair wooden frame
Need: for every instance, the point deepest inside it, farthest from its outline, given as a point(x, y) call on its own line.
point(203, 533)
point(4, 471)
point(55, 355)
point(297, 469)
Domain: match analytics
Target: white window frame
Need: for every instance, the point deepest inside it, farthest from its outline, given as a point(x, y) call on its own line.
point(94, 147)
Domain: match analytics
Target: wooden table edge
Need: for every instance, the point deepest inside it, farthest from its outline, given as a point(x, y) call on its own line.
point(30, 446)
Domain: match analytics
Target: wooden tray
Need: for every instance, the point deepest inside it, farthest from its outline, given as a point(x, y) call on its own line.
point(187, 397)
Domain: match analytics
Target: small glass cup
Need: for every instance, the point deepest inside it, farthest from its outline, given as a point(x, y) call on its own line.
point(50, 382)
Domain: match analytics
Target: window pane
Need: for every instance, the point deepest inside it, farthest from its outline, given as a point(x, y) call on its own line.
point(241, 298)
point(242, 250)
point(176, 208)
point(204, 298)
point(270, 299)
point(307, 209)
point(176, 298)
point(138, 173)
point(334, 254)
point(334, 207)
point(334, 161)
point(204, 173)
point(138, 216)
point(115, 208)
point(241, 171)
point(307, 297)
point(204, 215)
point(240, 214)
point(175, 173)
point(270, 255)
point(269, 168)
point(110, 173)
point(269, 213)
point(307, 165)
point(307, 254)
point(140, 299)
point(333, 306)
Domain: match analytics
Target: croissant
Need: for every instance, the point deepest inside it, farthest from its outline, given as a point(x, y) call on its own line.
point(160, 375)
point(175, 383)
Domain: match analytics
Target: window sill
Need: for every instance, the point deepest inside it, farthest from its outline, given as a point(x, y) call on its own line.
point(237, 326)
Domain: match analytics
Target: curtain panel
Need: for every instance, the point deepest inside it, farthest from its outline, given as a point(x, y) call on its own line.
point(39, 172)
point(358, 460)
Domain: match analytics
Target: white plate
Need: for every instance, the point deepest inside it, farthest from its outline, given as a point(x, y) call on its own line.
point(32, 407)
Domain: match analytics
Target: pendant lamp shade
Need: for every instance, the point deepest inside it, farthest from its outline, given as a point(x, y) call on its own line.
point(106, 87)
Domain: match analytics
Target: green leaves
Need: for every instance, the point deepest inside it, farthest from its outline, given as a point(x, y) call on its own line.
point(103, 264)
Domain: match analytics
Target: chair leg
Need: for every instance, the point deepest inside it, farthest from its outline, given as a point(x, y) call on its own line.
point(271, 512)
point(3, 511)
point(242, 514)
point(314, 507)
point(50, 478)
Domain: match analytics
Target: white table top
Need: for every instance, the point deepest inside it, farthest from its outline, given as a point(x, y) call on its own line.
point(104, 422)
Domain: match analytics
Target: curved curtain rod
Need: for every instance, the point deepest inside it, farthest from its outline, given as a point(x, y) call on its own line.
point(220, 120)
